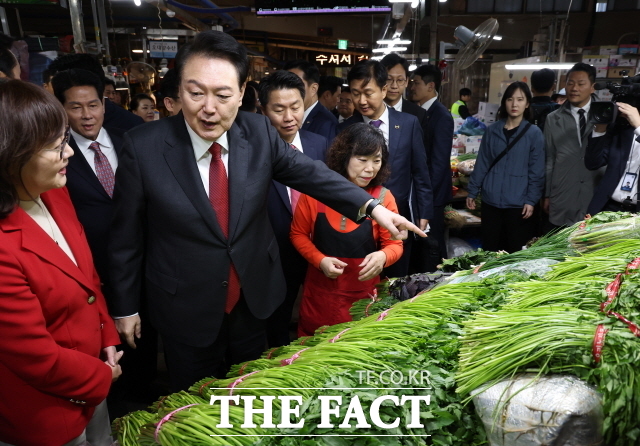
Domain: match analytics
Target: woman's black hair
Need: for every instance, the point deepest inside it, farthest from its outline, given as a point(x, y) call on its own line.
point(359, 140)
point(509, 92)
point(135, 101)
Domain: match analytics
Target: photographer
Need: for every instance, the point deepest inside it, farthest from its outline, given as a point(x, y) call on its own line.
point(619, 150)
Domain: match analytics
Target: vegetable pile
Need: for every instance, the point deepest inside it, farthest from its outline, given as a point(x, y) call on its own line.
point(575, 315)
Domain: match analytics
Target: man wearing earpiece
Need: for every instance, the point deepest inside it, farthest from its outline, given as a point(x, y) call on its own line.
point(619, 149)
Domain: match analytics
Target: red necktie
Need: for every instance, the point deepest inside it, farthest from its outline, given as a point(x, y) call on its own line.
point(295, 195)
point(104, 172)
point(219, 199)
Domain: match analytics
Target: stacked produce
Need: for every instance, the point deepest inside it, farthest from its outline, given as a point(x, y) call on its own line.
point(580, 323)
point(477, 332)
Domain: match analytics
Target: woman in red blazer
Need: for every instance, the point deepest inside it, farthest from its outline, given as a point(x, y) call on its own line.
point(57, 341)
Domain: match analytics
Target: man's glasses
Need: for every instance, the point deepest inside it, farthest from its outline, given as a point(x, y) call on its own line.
point(65, 141)
point(400, 82)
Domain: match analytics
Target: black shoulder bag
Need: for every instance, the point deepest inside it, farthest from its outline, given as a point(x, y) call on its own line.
point(506, 150)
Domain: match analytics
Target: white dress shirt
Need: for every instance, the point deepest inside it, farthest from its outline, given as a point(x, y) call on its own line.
point(429, 103)
point(633, 166)
point(106, 147)
point(308, 111)
point(384, 127)
point(203, 156)
point(398, 105)
point(576, 116)
point(298, 143)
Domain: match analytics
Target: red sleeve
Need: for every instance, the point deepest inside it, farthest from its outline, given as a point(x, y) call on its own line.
point(392, 248)
point(304, 220)
point(29, 350)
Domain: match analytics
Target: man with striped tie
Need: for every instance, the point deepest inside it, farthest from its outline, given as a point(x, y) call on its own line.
point(282, 101)
point(91, 180)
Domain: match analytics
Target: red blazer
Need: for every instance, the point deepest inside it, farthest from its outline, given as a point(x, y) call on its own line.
point(53, 325)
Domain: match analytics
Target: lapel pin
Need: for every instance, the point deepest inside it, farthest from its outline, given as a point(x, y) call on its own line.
point(397, 126)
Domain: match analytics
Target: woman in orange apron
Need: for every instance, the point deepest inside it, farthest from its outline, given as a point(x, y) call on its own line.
point(345, 259)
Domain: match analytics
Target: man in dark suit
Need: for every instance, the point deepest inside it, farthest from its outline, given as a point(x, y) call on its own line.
point(619, 150)
point(199, 238)
point(282, 101)
point(91, 180)
point(317, 118)
point(114, 115)
point(407, 156)
point(438, 136)
point(397, 82)
point(426, 253)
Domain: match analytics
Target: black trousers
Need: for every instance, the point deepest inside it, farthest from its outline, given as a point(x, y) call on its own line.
point(278, 324)
point(427, 253)
point(242, 338)
point(505, 229)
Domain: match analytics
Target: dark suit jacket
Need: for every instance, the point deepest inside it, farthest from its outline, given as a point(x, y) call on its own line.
point(119, 118)
point(438, 141)
point(165, 231)
point(93, 205)
point(322, 122)
point(407, 161)
point(611, 150)
point(279, 205)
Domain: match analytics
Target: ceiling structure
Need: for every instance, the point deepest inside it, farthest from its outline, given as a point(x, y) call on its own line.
point(303, 32)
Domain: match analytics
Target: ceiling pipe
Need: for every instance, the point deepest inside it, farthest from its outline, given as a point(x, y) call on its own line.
point(233, 24)
point(183, 16)
point(216, 11)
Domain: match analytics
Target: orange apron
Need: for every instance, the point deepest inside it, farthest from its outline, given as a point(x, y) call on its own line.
point(327, 301)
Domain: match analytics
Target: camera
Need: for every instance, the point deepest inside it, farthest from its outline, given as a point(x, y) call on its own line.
point(629, 206)
point(627, 91)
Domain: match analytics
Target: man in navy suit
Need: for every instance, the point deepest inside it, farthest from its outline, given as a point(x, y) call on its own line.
point(114, 115)
point(282, 101)
point(397, 82)
point(619, 150)
point(407, 156)
point(317, 118)
point(91, 180)
point(438, 141)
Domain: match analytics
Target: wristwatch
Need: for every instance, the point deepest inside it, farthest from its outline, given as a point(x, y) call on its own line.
point(370, 207)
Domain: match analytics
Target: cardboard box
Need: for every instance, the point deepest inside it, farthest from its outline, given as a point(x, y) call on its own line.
point(601, 73)
point(628, 48)
point(599, 61)
point(609, 49)
point(472, 148)
point(477, 139)
point(616, 73)
point(487, 111)
point(620, 60)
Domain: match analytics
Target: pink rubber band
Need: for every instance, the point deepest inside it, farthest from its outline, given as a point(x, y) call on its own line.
point(239, 380)
point(166, 418)
point(293, 358)
point(339, 334)
point(382, 315)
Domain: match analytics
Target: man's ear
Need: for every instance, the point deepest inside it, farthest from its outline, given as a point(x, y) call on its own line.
point(314, 88)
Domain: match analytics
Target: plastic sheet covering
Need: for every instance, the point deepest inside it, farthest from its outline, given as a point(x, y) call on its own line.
point(546, 411)
point(539, 267)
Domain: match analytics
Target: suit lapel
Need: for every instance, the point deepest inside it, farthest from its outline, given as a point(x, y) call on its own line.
point(36, 240)
point(395, 129)
point(81, 168)
point(179, 156)
point(238, 167)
